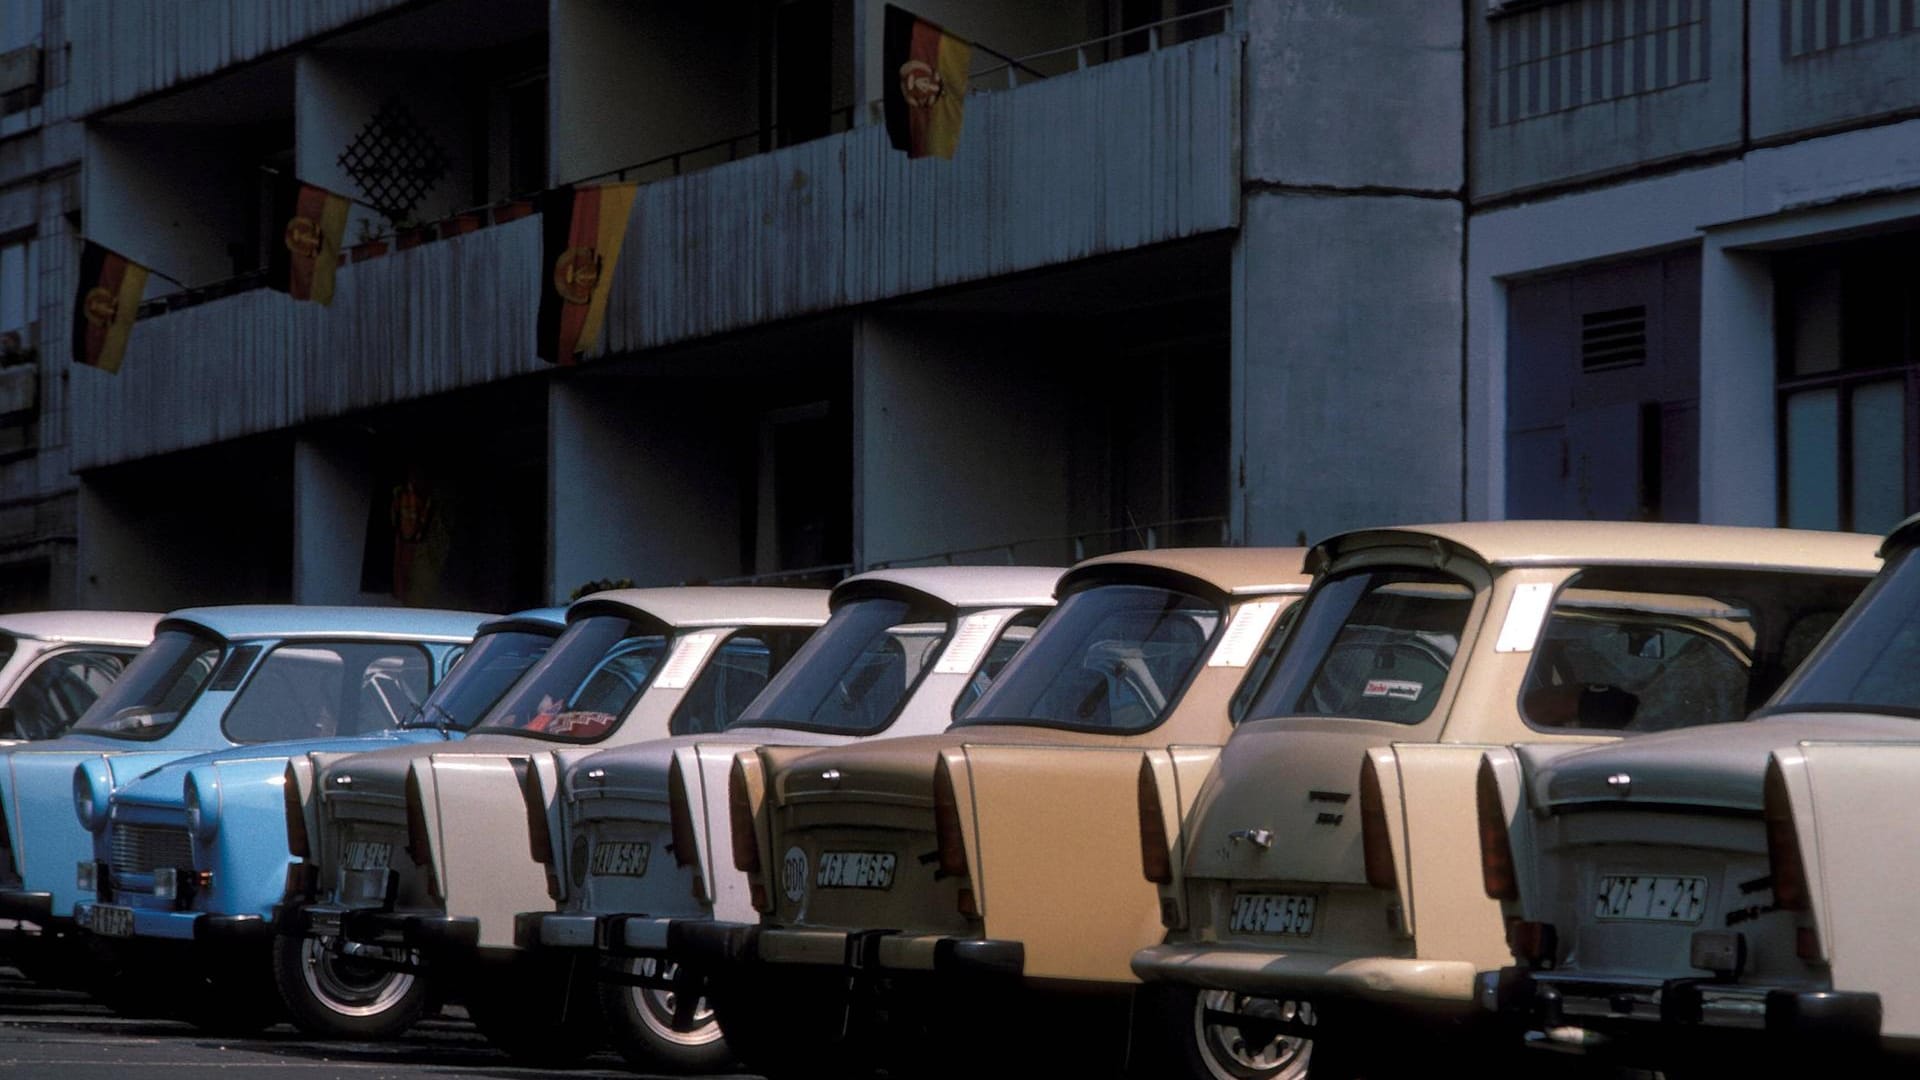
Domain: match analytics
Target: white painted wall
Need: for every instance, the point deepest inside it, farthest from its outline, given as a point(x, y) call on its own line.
point(332, 489)
point(167, 197)
point(640, 486)
point(964, 435)
point(631, 82)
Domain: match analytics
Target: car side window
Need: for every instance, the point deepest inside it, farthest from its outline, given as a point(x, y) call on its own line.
point(321, 689)
point(55, 693)
point(738, 671)
point(1013, 637)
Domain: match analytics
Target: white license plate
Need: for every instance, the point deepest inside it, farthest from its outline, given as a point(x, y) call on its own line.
point(621, 858)
point(368, 855)
point(1655, 897)
point(1273, 913)
point(111, 921)
point(855, 870)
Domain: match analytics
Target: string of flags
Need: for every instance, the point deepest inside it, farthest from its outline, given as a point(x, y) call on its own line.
point(582, 225)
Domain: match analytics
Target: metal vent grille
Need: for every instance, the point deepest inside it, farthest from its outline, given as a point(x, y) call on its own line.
point(1613, 338)
point(142, 849)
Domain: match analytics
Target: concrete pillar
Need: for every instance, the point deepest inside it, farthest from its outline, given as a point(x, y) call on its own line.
point(1738, 460)
point(964, 436)
point(332, 491)
point(643, 483)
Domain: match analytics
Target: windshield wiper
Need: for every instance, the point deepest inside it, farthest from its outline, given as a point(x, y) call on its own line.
point(421, 713)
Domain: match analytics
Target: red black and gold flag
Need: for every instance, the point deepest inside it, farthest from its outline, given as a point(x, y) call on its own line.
point(312, 220)
point(581, 229)
point(926, 85)
point(104, 306)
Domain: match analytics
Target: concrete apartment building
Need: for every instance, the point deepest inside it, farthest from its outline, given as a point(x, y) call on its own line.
point(1196, 274)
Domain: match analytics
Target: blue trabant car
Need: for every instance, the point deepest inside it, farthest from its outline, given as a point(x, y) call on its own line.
point(197, 852)
point(213, 677)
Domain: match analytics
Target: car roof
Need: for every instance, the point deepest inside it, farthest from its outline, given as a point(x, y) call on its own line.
point(961, 586)
point(94, 627)
point(713, 605)
point(1234, 570)
point(544, 618)
point(321, 621)
point(1638, 543)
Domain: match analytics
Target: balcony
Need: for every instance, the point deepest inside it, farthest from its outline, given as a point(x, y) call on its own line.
point(1112, 158)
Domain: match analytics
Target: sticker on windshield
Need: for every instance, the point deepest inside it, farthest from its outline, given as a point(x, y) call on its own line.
point(970, 641)
point(688, 654)
point(1401, 689)
point(1524, 617)
point(1244, 634)
point(793, 874)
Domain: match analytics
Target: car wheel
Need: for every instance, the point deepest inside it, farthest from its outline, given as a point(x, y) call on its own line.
point(539, 1012)
point(1216, 1048)
point(339, 997)
point(641, 1024)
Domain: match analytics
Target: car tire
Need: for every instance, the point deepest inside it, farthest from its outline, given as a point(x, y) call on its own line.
point(640, 1025)
point(539, 1012)
point(330, 996)
point(1208, 1050)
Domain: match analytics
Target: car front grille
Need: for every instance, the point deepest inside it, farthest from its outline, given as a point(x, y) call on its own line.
point(142, 849)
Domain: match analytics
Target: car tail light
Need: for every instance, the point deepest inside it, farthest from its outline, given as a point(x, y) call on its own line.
point(533, 792)
point(1783, 844)
point(1376, 843)
point(746, 833)
point(1496, 847)
point(686, 851)
point(296, 815)
point(418, 847)
point(1534, 944)
point(946, 822)
point(1156, 862)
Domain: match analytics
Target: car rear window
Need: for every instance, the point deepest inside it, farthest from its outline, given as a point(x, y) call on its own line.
point(1111, 658)
point(1373, 644)
point(585, 684)
point(854, 675)
point(1870, 661)
point(1655, 648)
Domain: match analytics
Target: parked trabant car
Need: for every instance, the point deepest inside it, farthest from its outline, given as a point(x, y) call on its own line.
point(905, 652)
point(1733, 896)
point(1321, 895)
point(178, 698)
point(424, 854)
point(223, 817)
point(53, 664)
point(913, 889)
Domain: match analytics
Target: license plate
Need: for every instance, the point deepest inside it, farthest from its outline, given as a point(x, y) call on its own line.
point(1655, 897)
point(1273, 913)
point(368, 855)
point(111, 921)
point(855, 870)
point(622, 858)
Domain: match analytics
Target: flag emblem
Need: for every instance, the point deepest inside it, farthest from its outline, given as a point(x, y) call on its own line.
point(575, 273)
point(101, 306)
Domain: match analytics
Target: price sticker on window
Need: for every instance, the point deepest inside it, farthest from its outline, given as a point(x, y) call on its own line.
point(970, 641)
point(688, 654)
point(1244, 634)
point(1525, 614)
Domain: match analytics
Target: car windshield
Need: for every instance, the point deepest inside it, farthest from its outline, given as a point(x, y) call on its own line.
point(1871, 660)
point(855, 673)
point(485, 672)
point(1111, 658)
point(147, 700)
point(1656, 648)
point(1370, 645)
point(582, 688)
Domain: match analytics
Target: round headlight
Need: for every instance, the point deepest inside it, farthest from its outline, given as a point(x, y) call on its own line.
point(92, 784)
point(202, 796)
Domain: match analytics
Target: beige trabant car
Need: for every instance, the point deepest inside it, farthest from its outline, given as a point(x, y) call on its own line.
point(916, 884)
point(642, 832)
point(418, 857)
point(1324, 883)
point(1734, 897)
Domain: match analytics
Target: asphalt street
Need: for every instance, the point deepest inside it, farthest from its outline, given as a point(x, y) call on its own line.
point(58, 1035)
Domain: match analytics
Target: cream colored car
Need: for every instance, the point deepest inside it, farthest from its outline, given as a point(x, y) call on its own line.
point(422, 855)
point(1732, 898)
point(914, 889)
point(641, 832)
point(1322, 895)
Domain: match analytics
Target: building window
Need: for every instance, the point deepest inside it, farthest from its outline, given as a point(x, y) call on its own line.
point(19, 295)
point(1849, 368)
